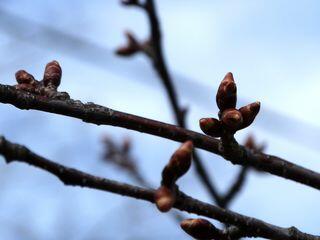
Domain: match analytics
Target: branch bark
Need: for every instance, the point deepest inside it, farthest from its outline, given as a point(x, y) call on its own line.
point(73, 177)
point(97, 114)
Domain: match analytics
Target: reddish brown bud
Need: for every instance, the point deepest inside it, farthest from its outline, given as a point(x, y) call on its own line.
point(201, 229)
point(130, 48)
point(227, 93)
point(211, 126)
point(52, 74)
point(232, 119)
point(164, 198)
point(24, 77)
point(178, 165)
point(249, 113)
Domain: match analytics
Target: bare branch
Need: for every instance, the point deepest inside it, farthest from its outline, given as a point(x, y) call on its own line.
point(70, 176)
point(97, 114)
point(153, 49)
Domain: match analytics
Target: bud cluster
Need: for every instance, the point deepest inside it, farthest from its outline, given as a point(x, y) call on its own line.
point(231, 119)
point(47, 86)
point(178, 165)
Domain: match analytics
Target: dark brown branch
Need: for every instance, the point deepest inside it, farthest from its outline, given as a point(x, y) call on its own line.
point(70, 176)
point(100, 115)
point(160, 64)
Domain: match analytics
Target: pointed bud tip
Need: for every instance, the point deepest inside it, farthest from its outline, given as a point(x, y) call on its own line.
point(255, 107)
point(231, 88)
point(199, 228)
point(229, 77)
point(186, 224)
point(187, 146)
point(55, 62)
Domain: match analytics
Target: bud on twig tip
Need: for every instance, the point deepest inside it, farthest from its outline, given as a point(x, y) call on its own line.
point(249, 112)
point(227, 93)
point(52, 74)
point(200, 229)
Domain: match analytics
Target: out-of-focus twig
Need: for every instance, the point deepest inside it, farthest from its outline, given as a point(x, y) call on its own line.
point(120, 155)
point(240, 179)
point(154, 50)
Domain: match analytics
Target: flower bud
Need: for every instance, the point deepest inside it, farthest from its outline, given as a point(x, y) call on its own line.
point(24, 77)
point(164, 198)
point(249, 113)
point(227, 93)
point(130, 48)
point(211, 126)
point(232, 119)
point(178, 165)
point(52, 74)
point(201, 229)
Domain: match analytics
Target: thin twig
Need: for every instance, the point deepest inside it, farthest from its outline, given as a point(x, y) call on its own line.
point(97, 114)
point(121, 157)
point(70, 176)
point(154, 50)
point(235, 187)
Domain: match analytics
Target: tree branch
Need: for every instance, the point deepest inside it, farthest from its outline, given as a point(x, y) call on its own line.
point(97, 114)
point(154, 50)
point(70, 176)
